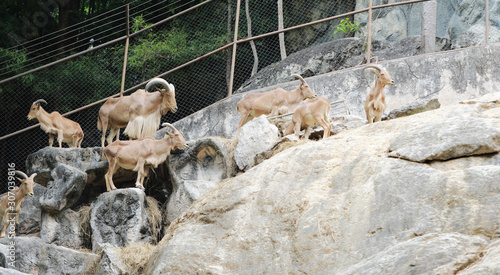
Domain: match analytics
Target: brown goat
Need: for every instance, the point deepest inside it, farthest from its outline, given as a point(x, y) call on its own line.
point(13, 200)
point(375, 102)
point(140, 112)
point(139, 155)
point(273, 102)
point(310, 113)
point(55, 124)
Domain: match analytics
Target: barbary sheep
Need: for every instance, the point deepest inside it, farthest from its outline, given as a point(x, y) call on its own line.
point(139, 112)
point(13, 200)
point(139, 155)
point(273, 102)
point(310, 113)
point(55, 124)
point(375, 102)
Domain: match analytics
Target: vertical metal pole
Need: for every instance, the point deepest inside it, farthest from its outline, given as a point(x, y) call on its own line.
point(126, 51)
point(428, 32)
point(487, 23)
point(235, 38)
point(369, 42)
point(280, 27)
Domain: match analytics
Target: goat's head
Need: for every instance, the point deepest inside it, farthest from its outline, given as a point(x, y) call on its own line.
point(176, 137)
point(26, 182)
point(305, 89)
point(382, 75)
point(168, 95)
point(35, 108)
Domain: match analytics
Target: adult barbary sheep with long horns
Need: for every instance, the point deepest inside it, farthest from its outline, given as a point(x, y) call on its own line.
point(273, 102)
point(375, 102)
point(56, 125)
point(139, 155)
point(139, 112)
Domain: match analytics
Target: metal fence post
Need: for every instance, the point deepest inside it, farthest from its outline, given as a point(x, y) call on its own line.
point(235, 39)
point(126, 50)
point(429, 26)
point(280, 27)
point(369, 36)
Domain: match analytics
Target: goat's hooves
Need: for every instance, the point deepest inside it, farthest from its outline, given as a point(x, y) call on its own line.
point(141, 187)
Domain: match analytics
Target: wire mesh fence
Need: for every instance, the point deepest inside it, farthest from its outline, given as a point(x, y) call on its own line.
point(189, 43)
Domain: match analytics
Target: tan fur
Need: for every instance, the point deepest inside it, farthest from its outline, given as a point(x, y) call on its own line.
point(140, 112)
point(375, 102)
point(312, 112)
point(139, 155)
point(56, 125)
point(272, 102)
point(14, 208)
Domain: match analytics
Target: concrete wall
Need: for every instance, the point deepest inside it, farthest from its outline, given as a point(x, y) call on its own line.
point(451, 76)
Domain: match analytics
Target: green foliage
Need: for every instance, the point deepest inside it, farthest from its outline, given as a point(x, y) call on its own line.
point(347, 27)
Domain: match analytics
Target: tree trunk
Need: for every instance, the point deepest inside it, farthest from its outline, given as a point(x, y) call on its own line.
point(252, 43)
point(68, 11)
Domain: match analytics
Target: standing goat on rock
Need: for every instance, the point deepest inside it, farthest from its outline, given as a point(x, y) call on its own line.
point(313, 112)
point(139, 155)
point(273, 102)
point(13, 200)
point(55, 124)
point(140, 112)
point(375, 103)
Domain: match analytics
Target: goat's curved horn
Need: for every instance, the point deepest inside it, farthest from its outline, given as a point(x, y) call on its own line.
point(38, 101)
point(378, 68)
point(33, 175)
point(166, 124)
point(22, 174)
point(300, 78)
point(161, 81)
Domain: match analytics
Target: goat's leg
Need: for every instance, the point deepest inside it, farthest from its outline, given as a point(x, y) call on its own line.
point(5, 224)
point(243, 120)
point(327, 126)
point(308, 132)
point(109, 175)
point(140, 174)
point(111, 135)
point(145, 174)
point(51, 140)
point(60, 137)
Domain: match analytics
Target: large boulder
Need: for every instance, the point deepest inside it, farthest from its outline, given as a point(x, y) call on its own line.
point(65, 188)
point(256, 136)
point(343, 204)
point(62, 229)
point(88, 160)
point(119, 218)
point(34, 256)
point(202, 167)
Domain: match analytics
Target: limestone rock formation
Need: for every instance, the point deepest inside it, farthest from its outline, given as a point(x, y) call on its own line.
point(34, 256)
point(203, 166)
point(61, 229)
point(31, 213)
point(343, 205)
point(119, 218)
point(256, 136)
point(65, 188)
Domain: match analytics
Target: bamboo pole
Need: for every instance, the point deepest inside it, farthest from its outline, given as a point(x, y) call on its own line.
point(235, 40)
point(124, 71)
point(369, 36)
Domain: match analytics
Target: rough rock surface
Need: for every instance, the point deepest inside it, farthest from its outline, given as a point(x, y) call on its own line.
point(88, 160)
point(414, 108)
point(342, 204)
point(31, 212)
point(256, 136)
point(111, 263)
point(34, 256)
point(200, 168)
point(119, 218)
point(62, 229)
point(65, 188)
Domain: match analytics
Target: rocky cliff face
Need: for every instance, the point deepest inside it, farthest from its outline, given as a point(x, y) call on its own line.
point(360, 202)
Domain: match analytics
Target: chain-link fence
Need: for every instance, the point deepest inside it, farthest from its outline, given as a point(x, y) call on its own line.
point(190, 44)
